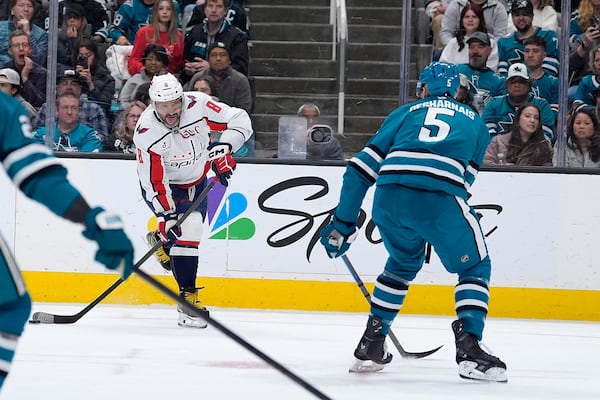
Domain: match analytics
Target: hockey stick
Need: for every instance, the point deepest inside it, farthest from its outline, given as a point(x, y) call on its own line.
point(46, 318)
point(189, 308)
point(365, 292)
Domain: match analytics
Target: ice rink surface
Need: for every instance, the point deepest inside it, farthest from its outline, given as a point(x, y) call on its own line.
point(139, 352)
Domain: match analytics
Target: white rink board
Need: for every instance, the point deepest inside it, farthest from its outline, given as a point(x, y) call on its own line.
point(544, 226)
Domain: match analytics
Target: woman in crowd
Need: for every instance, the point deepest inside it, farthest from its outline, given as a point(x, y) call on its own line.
point(155, 62)
point(471, 21)
point(525, 144)
point(583, 140)
point(121, 138)
point(162, 30)
point(99, 83)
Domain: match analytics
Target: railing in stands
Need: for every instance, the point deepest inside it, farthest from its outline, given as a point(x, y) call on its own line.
point(339, 20)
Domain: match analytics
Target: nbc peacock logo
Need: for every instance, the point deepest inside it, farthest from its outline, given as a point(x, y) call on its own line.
point(225, 215)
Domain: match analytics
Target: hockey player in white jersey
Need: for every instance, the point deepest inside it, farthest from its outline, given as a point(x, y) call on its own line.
point(174, 155)
point(423, 159)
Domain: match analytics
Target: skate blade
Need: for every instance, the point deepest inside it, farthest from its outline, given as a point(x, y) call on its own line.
point(365, 366)
point(468, 370)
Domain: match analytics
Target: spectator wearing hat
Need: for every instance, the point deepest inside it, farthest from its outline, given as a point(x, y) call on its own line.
point(477, 70)
point(511, 48)
point(162, 30)
point(22, 12)
point(33, 75)
point(543, 84)
point(69, 133)
point(10, 83)
point(155, 61)
point(493, 10)
point(232, 86)
point(90, 113)
point(544, 16)
point(471, 22)
point(499, 114)
point(214, 29)
point(73, 30)
point(94, 13)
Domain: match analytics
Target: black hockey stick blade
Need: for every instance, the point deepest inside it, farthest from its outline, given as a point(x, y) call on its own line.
point(227, 332)
point(40, 317)
point(367, 295)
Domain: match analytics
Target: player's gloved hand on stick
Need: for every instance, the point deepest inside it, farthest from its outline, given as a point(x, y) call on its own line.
point(222, 163)
point(115, 250)
point(337, 237)
point(166, 227)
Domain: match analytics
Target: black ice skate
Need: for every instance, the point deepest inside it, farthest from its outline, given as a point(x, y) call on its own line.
point(371, 353)
point(186, 319)
point(473, 362)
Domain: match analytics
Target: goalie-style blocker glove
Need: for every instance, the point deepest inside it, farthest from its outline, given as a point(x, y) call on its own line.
point(115, 250)
point(221, 161)
point(337, 236)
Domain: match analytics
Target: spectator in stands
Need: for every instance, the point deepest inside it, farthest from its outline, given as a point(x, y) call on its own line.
point(206, 85)
point(583, 141)
point(121, 138)
point(589, 83)
point(478, 73)
point(585, 35)
point(74, 29)
point(94, 13)
point(543, 84)
point(511, 48)
point(236, 15)
point(142, 93)
point(129, 18)
point(161, 30)
point(214, 29)
point(69, 133)
point(499, 113)
point(321, 144)
point(21, 13)
point(435, 10)
point(33, 75)
point(525, 144)
point(90, 113)
point(493, 11)
point(471, 21)
point(10, 83)
point(232, 86)
point(544, 16)
point(155, 61)
point(585, 19)
point(99, 85)
point(40, 16)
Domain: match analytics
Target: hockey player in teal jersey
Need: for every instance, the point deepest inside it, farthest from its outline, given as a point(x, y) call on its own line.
point(34, 170)
point(423, 159)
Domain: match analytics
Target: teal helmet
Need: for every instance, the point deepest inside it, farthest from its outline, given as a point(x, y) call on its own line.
point(441, 78)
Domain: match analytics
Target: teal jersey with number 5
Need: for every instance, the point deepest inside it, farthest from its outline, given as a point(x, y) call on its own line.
point(434, 144)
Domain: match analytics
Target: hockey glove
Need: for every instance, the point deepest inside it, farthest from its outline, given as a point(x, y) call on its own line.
point(115, 250)
point(337, 237)
point(167, 231)
point(222, 163)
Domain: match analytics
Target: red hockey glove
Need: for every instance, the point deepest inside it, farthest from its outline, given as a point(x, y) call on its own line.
point(222, 163)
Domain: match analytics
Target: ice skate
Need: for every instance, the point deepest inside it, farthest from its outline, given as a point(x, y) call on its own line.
point(473, 362)
point(161, 254)
point(371, 354)
point(191, 321)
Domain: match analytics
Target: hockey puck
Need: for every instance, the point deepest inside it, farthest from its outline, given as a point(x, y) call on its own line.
point(31, 321)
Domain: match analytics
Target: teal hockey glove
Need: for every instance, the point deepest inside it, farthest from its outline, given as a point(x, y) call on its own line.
point(115, 250)
point(337, 237)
